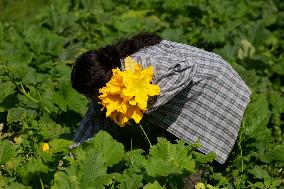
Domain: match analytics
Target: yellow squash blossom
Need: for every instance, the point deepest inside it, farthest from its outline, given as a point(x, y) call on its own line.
point(138, 86)
point(45, 147)
point(125, 96)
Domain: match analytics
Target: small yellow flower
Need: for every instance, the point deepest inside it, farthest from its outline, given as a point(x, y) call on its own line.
point(45, 147)
point(200, 185)
point(125, 96)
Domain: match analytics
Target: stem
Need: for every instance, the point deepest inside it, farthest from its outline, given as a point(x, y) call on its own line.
point(240, 147)
point(47, 110)
point(41, 183)
point(145, 135)
point(23, 91)
point(131, 144)
point(242, 160)
point(112, 184)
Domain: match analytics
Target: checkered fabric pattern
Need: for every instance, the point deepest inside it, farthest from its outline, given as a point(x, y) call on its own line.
point(202, 97)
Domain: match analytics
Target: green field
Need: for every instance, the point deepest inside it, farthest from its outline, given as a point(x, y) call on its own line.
point(39, 41)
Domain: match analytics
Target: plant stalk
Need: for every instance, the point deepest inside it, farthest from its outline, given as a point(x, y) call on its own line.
point(145, 135)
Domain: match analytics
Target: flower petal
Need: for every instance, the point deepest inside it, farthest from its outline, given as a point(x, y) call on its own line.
point(125, 96)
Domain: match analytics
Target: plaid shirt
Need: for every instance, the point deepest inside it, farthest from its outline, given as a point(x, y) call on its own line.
point(201, 97)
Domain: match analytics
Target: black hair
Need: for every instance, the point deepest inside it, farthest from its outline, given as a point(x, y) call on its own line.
point(93, 69)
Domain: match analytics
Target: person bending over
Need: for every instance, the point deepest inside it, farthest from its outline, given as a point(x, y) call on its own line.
point(201, 96)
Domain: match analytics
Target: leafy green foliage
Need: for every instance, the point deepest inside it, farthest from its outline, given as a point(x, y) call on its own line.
point(6, 151)
point(94, 162)
point(169, 159)
point(39, 41)
point(31, 169)
point(256, 118)
point(90, 167)
point(155, 185)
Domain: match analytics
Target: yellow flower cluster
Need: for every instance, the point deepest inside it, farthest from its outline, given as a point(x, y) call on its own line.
point(45, 147)
point(125, 96)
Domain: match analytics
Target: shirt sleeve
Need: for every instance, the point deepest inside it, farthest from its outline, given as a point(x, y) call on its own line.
point(172, 79)
point(93, 122)
point(172, 71)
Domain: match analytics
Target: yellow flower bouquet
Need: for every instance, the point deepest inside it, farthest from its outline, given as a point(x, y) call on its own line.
point(125, 96)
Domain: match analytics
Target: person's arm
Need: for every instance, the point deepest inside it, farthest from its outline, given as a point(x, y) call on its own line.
point(172, 80)
point(92, 123)
point(172, 72)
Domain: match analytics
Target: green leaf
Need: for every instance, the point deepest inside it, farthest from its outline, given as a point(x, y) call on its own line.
point(154, 185)
point(173, 34)
point(6, 89)
point(258, 34)
point(249, 76)
point(57, 130)
point(59, 145)
point(135, 160)
point(275, 154)
point(61, 69)
point(202, 158)
point(16, 185)
point(176, 6)
point(220, 179)
point(33, 78)
point(256, 117)
point(131, 181)
point(166, 159)
point(3, 182)
point(259, 173)
point(16, 114)
point(17, 71)
point(228, 52)
point(67, 180)
point(31, 169)
point(277, 100)
point(43, 41)
point(6, 151)
point(9, 101)
point(259, 185)
point(67, 98)
point(90, 169)
point(279, 67)
point(213, 36)
point(160, 167)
